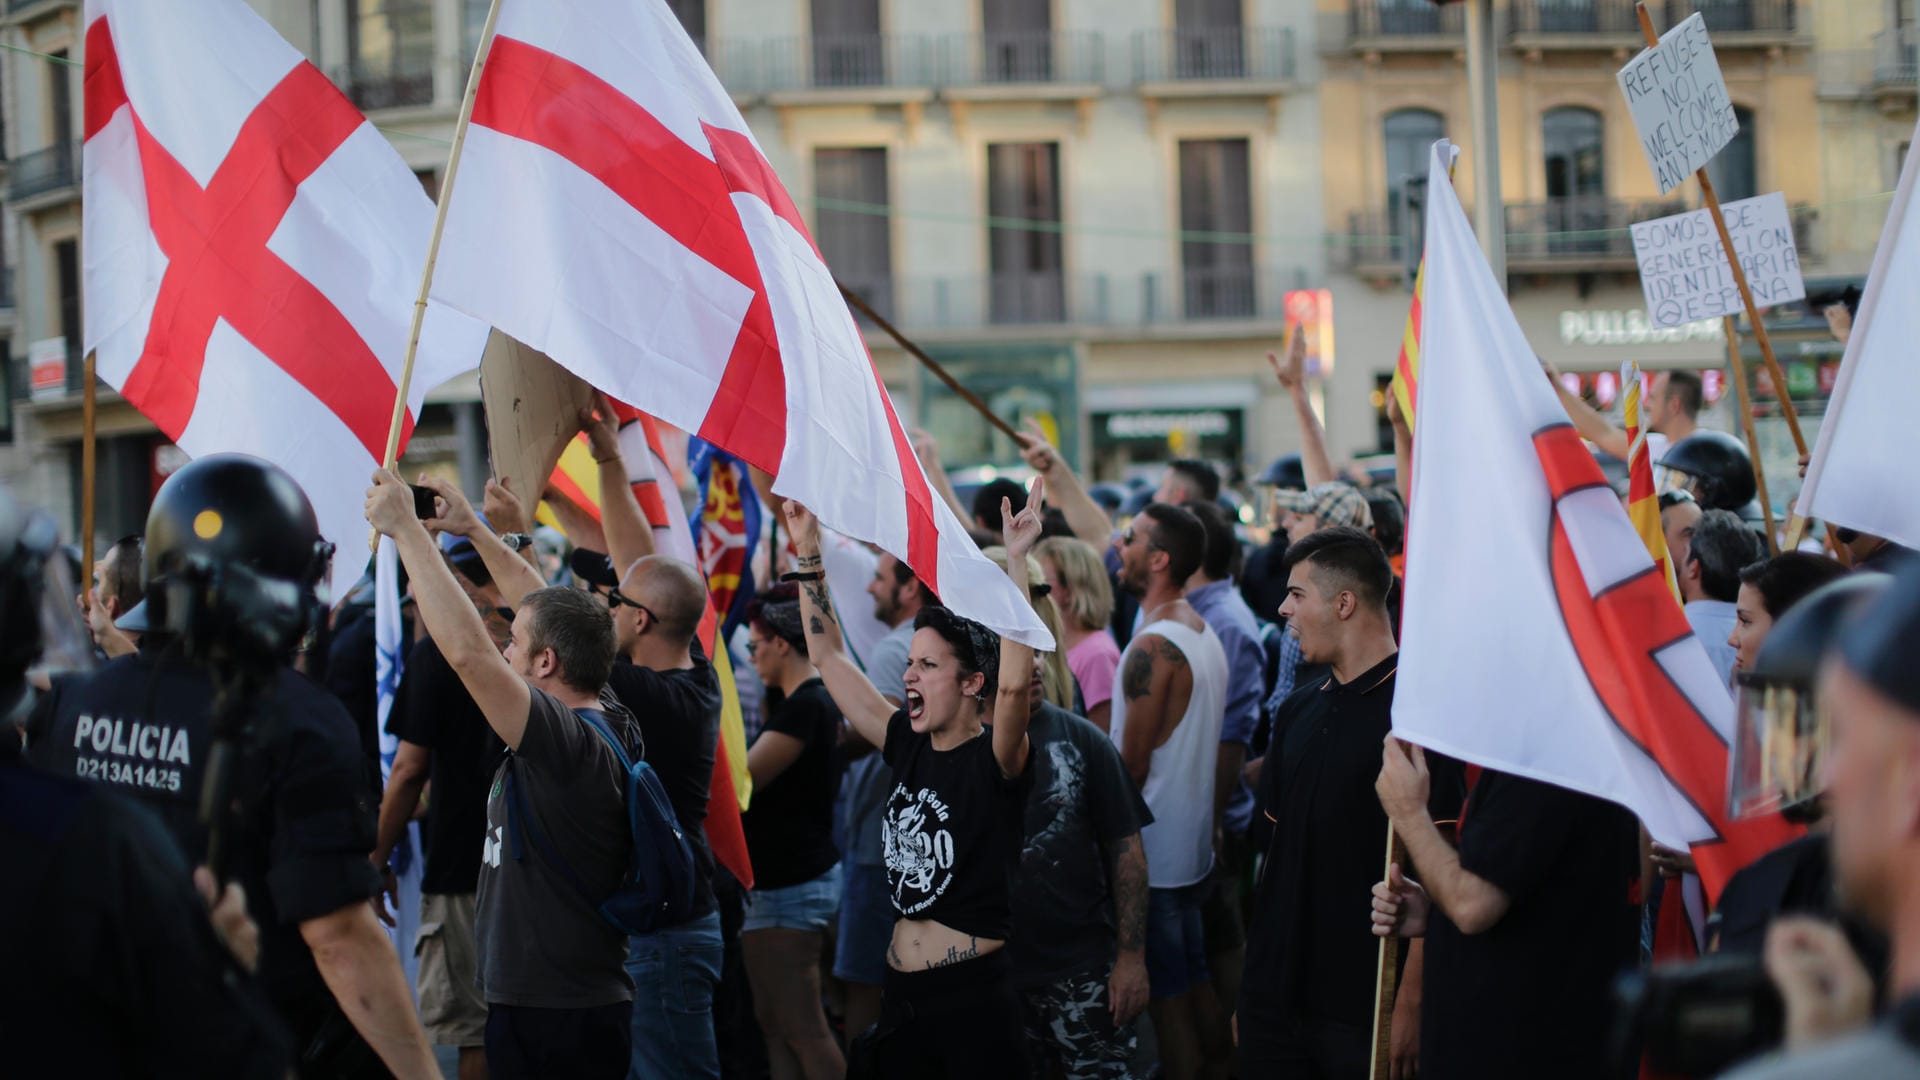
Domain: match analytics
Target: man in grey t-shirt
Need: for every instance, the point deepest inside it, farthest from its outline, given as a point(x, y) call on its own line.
point(559, 1002)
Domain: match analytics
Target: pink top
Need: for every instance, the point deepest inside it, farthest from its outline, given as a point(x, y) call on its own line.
point(1093, 663)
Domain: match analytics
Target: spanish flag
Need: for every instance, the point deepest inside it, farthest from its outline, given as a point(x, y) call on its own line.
point(578, 478)
point(1643, 502)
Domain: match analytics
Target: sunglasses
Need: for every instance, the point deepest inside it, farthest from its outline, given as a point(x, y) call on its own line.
point(617, 599)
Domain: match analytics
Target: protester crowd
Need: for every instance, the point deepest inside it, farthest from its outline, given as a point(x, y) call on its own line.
point(1157, 850)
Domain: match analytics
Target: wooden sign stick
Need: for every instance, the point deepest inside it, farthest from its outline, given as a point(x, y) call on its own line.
point(1386, 983)
point(89, 409)
point(1746, 426)
point(1739, 278)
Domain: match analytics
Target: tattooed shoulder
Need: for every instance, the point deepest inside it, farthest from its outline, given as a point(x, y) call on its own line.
point(1170, 652)
point(1137, 678)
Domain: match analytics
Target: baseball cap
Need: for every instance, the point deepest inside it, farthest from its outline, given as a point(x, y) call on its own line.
point(1334, 503)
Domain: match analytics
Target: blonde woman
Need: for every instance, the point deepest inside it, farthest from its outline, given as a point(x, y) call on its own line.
point(1077, 578)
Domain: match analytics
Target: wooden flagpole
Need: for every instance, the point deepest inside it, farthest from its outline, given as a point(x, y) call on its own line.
point(1746, 426)
point(441, 203)
point(1387, 976)
point(1739, 278)
point(88, 414)
point(915, 351)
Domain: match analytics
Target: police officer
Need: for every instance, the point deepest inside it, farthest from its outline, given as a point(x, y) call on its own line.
point(1716, 468)
point(108, 964)
point(233, 554)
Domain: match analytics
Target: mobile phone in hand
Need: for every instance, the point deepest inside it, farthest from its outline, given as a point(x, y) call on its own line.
point(423, 507)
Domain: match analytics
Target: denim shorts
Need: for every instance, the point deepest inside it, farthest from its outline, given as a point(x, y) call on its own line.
point(810, 905)
point(1176, 939)
point(866, 926)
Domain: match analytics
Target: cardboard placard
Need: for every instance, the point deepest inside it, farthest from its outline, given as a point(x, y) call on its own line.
point(533, 409)
point(1679, 102)
point(1684, 271)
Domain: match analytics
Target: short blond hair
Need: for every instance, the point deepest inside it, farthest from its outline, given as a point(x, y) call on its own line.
point(1081, 570)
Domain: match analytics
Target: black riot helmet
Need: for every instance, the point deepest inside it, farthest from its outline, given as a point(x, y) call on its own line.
point(233, 559)
point(1781, 737)
point(1714, 466)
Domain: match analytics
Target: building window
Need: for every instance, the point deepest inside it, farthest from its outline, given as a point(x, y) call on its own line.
point(852, 223)
point(1410, 135)
point(693, 18)
point(847, 47)
point(1576, 210)
point(1216, 198)
point(1734, 173)
point(1018, 42)
point(390, 52)
point(1025, 279)
point(1208, 40)
point(66, 269)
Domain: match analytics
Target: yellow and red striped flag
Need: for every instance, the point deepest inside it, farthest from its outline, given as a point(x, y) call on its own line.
point(1406, 371)
point(578, 478)
point(1643, 501)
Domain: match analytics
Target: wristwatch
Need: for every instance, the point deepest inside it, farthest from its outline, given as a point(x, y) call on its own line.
point(516, 541)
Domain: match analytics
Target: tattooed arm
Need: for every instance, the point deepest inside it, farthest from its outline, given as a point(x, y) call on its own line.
point(1127, 880)
point(859, 702)
point(1150, 679)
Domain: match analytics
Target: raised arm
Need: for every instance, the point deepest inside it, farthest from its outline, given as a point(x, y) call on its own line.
point(1292, 376)
point(508, 514)
point(927, 449)
point(629, 533)
point(859, 702)
point(1402, 449)
point(1013, 705)
point(581, 527)
point(513, 575)
point(1084, 516)
point(1592, 427)
point(455, 626)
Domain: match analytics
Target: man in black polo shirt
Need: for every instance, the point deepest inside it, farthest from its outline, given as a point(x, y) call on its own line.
point(1527, 924)
point(663, 677)
point(1306, 1002)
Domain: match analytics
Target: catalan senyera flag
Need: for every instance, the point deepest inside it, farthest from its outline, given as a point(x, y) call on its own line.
point(1643, 501)
point(577, 477)
point(1406, 370)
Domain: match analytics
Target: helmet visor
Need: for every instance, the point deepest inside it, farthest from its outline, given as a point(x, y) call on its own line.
point(1780, 743)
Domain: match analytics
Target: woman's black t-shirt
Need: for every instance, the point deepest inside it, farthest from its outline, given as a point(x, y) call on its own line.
point(790, 826)
point(952, 831)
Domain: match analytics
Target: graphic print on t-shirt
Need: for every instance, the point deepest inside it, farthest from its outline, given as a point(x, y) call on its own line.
point(919, 851)
point(1065, 797)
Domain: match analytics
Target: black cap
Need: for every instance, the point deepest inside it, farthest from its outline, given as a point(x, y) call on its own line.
point(1719, 463)
point(1879, 644)
point(593, 568)
point(1285, 472)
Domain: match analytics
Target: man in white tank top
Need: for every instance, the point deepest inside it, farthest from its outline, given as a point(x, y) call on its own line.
point(1166, 721)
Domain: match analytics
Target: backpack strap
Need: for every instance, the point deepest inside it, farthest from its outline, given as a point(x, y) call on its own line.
point(520, 821)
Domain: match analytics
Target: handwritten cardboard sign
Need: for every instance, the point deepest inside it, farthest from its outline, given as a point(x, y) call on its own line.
point(1684, 271)
point(1679, 102)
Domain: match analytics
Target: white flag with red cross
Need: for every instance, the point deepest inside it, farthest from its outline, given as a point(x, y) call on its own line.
point(1537, 635)
point(252, 247)
point(614, 212)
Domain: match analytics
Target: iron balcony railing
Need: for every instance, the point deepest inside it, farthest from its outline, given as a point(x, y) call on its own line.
point(372, 89)
point(1618, 17)
point(1051, 298)
point(1214, 53)
point(836, 61)
point(50, 169)
point(1896, 58)
point(1404, 18)
point(1008, 57)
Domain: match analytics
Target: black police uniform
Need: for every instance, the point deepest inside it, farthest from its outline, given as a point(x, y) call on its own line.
point(304, 822)
point(108, 964)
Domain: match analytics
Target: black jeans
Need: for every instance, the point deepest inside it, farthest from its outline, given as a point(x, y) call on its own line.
point(1272, 1044)
point(586, 1043)
point(961, 1022)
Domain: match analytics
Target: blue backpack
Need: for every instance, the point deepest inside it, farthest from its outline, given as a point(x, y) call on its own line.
point(656, 889)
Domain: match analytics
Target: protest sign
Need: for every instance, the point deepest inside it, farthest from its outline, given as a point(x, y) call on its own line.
point(1679, 102)
point(1684, 270)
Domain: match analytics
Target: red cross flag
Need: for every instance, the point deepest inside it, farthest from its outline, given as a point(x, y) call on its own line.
point(1537, 635)
point(251, 247)
point(615, 213)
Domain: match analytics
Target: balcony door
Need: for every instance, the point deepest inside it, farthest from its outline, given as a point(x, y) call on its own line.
point(1576, 211)
point(1017, 41)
